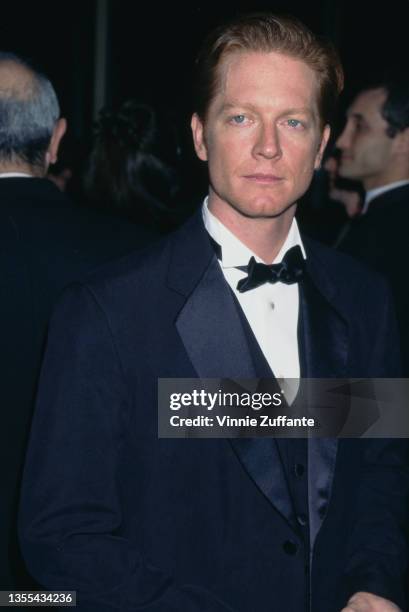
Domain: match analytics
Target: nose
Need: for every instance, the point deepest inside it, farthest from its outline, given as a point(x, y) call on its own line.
point(344, 139)
point(267, 143)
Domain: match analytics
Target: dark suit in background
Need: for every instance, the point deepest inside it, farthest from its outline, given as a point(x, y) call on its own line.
point(45, 243)
point(380, 238)
point(133, 522)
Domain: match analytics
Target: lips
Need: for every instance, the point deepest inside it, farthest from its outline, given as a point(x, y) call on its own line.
point(263, 178)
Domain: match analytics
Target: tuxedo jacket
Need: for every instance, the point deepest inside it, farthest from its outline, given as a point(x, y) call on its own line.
point(133, 522)
point(379, 238)
point(45, 243)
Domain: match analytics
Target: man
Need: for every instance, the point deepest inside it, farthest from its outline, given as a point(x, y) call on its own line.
point(375, 151)
point(46, 243)
point(133, 522)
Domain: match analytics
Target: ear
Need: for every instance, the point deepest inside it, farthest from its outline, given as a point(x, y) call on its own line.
point(401, 142)
point(324, 141)
point(58, 132)
point(198, 137)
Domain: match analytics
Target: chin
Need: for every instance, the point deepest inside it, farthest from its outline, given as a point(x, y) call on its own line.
point(264, 209)
point(347, 173)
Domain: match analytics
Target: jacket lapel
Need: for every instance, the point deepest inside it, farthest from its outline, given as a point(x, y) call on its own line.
point(211, 331)
point(323, 341)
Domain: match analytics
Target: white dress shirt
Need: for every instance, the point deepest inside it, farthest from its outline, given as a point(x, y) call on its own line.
point(271, 309)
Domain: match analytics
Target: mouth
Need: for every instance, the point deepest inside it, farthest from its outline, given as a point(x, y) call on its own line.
point(268, 179)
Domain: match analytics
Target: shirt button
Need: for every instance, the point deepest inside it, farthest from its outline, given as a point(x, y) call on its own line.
point(302, 519)
point(299, 469)
point(290, 548)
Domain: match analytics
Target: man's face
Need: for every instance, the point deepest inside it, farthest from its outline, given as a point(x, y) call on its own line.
point(366, 149)
point(262, 137)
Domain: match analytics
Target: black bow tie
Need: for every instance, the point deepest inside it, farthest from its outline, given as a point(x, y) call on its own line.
point(290, 270)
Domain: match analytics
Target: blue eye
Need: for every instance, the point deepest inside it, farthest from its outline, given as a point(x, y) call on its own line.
point(239, 119)
point(294, 123)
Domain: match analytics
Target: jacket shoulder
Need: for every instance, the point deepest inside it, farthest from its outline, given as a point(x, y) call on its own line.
point(134, 266)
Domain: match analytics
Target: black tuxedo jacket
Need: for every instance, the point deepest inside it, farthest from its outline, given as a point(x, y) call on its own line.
point(45, 243)
point(133, 522)
point(380, 239)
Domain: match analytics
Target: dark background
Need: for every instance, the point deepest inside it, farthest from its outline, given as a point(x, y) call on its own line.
point(148, 48)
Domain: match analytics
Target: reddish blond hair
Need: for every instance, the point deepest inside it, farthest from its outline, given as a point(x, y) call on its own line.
point(265, 32)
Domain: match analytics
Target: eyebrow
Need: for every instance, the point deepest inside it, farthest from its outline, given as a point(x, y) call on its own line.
point(301, 110)
point(355, 116)
point(229, 105)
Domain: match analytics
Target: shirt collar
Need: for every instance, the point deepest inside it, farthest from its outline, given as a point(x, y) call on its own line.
point(15, 174)
point(235, 253)
point(374, 193)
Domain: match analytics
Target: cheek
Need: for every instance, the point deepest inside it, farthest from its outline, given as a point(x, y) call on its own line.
point(302, 158)
point(385, 154)
point(372, 155)
point(227, 153)
point(220, 165)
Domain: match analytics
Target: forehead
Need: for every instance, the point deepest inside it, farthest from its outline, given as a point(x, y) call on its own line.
point(267, 79)
point(368, 105)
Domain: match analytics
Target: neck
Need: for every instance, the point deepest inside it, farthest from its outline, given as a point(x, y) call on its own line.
point(263, 235)
point(22, 168)
point(391, 176)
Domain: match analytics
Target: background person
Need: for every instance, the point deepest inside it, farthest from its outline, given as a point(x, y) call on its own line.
point(375, 150)
point(133, 166)
point(46, 243)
